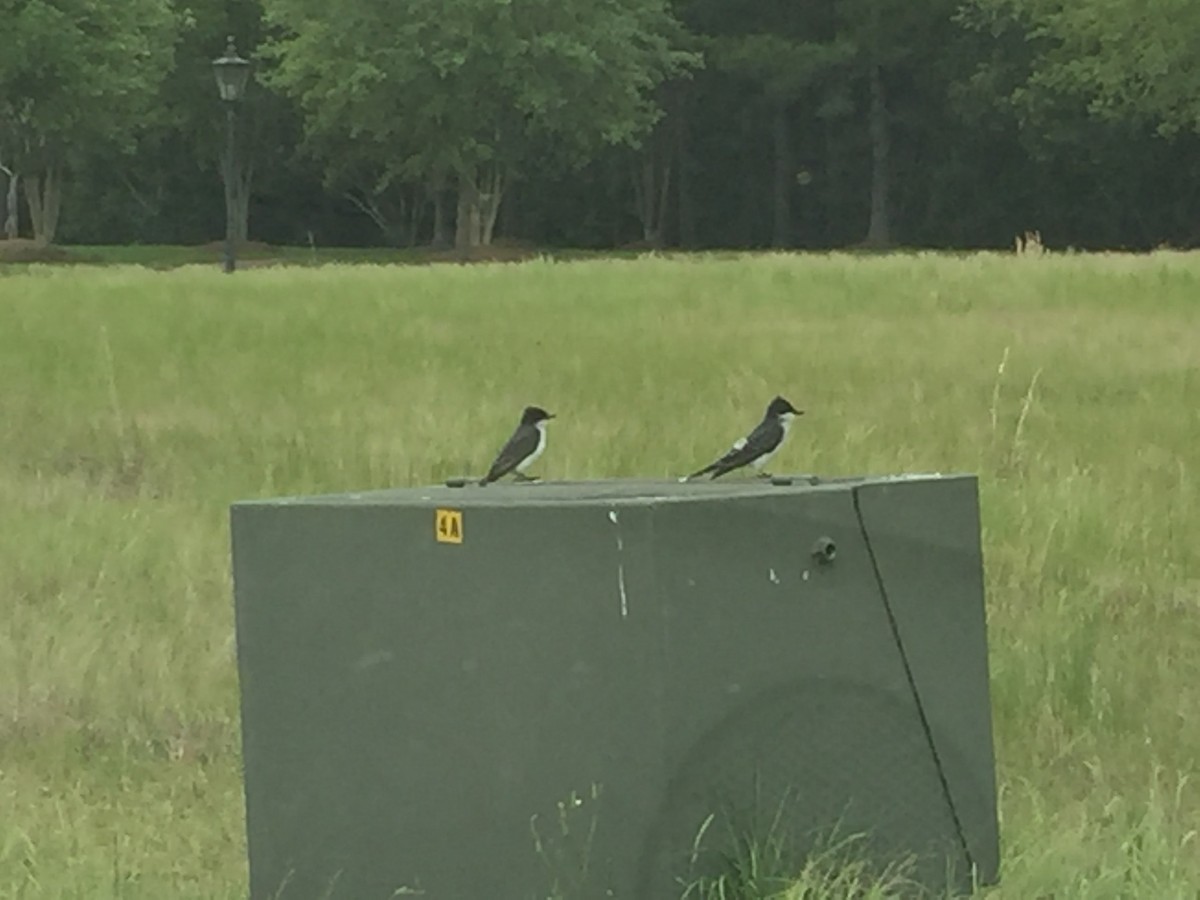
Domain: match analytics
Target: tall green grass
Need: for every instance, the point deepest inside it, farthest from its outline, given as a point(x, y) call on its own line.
point(136, 405)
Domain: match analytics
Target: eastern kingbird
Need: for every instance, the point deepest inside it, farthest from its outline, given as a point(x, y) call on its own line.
point(759, 446)
point(523, 448)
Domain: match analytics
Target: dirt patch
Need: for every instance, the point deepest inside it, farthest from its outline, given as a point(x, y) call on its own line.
point(254, 263)
point(242, 248)
point(500, 251)
point(640, 246)
point(23, 250)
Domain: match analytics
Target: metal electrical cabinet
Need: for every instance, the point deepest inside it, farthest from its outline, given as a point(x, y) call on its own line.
point(587, 690)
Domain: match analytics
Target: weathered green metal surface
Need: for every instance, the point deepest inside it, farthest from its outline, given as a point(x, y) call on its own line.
point(557, 704)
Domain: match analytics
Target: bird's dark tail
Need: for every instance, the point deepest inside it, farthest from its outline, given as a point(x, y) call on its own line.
point(703, 471)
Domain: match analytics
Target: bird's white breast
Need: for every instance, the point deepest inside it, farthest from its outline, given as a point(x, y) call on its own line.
point(537, 451)
point(785, 422)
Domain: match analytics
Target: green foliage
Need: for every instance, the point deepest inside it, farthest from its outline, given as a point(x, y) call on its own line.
point(187, 104)
point(448, 86)
point(783, 51)
point(1041, 114)
point(789, 49)
point(1127, 59)
point(75, 74)
point(783, 68)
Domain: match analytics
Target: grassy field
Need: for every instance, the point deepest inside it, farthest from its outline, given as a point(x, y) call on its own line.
point(136, 405)
point(17, 256)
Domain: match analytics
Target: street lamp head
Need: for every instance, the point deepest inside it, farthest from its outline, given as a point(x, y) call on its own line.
point(231, 72)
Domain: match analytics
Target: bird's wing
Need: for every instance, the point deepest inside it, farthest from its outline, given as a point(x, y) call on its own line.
point(523, 442)
point(745, 450)
point(763, 439)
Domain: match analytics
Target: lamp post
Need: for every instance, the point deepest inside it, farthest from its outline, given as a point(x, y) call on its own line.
point(232, 73)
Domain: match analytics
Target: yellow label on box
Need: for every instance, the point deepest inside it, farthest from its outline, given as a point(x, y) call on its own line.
point(448, 526)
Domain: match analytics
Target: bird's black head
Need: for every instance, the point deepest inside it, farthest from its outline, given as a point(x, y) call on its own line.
point(535, 414)
point(779, 407)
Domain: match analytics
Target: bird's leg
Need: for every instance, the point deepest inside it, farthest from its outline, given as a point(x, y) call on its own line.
point(522, 477)
point(764, 474)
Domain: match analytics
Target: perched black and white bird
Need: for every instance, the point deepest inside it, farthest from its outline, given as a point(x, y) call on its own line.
point(759, 445)
point(523, 448)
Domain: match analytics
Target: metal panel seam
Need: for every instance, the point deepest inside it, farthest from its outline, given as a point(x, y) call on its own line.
point(908, 674)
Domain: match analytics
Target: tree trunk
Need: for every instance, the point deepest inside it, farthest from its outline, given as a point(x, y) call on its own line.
point(879, 229)
point(441, 222)
point(392, 229)
point(492, 191)
point(12, 206)
point(415, 216)
point(241, 211)
point(43, 195)
point(642, 178)
point(645, 198)
point(742, 230)
point(442, 235)
point(509, 221)
point(479, 196)
point(466, 221)
point(652, 181)
point(781, 192)
point(686, 209)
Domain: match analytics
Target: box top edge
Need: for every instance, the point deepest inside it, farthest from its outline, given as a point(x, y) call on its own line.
point(618, 491)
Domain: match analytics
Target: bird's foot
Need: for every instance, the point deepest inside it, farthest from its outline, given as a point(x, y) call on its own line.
point(522, 478)
point(765, 475)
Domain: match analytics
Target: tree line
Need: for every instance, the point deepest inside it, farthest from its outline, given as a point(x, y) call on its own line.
point(600, 123)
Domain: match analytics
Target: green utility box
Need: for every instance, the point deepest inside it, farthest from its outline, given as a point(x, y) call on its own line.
point(602, 689)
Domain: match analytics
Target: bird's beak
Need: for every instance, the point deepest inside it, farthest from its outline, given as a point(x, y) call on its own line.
point(550, 416)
